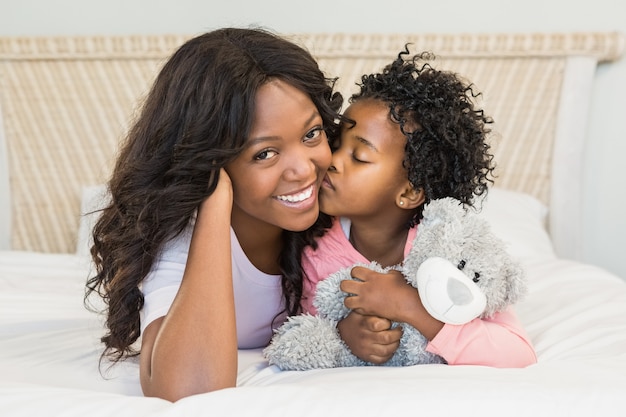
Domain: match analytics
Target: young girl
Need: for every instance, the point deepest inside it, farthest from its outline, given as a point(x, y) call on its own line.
point(413, 135)
point(199, 250)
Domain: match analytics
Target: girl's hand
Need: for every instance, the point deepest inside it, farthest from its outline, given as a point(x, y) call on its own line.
point(385, 295)
point(390, 296)
point(369, 337)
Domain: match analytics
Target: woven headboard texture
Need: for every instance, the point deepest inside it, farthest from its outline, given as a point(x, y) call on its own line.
point(67, 102)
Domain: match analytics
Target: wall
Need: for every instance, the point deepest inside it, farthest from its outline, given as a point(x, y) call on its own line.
point(605, 225)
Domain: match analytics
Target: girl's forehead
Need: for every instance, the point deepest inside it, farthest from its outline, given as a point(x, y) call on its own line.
point(368, 103)
point(370, 112)
point(360, 107)
point(373, 126)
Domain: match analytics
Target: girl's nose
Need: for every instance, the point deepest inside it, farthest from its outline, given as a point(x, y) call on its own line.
point(335, 162)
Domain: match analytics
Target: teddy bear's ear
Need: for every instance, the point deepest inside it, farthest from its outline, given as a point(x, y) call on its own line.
point(446, 210)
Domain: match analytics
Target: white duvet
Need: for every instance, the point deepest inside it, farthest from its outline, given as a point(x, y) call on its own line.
point(575, 315)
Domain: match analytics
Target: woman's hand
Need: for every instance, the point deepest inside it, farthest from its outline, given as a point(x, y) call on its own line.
point(369, 338)
point(222, 197)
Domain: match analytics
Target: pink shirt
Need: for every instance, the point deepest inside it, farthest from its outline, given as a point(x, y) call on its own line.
point(499, 341)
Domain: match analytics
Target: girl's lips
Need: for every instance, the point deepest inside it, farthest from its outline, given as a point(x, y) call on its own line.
point(326, 182)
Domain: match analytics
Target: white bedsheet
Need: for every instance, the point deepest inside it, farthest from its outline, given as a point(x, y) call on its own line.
point(575, 315)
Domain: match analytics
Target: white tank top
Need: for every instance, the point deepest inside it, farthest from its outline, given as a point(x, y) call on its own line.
point(258, 296)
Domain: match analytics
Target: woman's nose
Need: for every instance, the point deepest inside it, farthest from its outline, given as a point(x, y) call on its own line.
point(303, 165)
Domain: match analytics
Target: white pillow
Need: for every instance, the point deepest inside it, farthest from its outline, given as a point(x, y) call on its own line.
point(520, 220)
point(93, 198)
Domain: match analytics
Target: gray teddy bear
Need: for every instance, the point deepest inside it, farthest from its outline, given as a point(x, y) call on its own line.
point(460, 268)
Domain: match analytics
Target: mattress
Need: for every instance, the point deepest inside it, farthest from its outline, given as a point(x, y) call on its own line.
point(575, 315)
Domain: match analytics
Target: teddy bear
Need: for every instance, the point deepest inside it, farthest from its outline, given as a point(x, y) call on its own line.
point(460, 269)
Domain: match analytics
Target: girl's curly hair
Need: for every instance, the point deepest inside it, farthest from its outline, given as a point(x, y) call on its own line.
point(446, 154)
point(195, 119)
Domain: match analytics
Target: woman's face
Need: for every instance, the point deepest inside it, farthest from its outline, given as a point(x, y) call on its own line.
point(276, 179)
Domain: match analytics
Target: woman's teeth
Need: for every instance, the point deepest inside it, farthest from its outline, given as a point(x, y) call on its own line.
point(295, 198)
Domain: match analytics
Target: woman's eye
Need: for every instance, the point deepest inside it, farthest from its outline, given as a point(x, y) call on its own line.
point(266, 154)
point(313, 133)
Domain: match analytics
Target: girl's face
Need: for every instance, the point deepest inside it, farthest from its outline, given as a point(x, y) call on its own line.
point(366, 175)
point(276, 179)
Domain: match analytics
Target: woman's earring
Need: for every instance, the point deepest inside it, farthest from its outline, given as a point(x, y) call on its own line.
point(401, 202)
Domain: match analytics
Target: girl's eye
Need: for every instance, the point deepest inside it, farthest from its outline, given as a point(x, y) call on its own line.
point(265, 154)
point(356, 159)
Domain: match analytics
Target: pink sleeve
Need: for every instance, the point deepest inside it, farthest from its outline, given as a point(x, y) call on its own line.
point(499, 342)
point(311, 278)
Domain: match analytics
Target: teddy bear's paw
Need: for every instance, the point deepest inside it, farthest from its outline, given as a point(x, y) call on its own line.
point(412, 350)
point(329, 297)
point(306, 342)
point(447, 293)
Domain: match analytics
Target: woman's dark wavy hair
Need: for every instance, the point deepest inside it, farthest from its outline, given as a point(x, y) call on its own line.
point(195, 120)
point(446, 154)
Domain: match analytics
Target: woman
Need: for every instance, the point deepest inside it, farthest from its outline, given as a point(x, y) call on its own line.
point(212, 200)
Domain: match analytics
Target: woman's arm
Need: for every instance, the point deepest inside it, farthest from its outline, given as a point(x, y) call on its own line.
point(193, 349)
point(499, 341)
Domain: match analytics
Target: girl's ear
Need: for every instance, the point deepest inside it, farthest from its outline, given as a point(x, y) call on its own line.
point(410, 198)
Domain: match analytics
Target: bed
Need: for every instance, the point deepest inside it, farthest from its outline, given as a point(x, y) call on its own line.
point(67, 101)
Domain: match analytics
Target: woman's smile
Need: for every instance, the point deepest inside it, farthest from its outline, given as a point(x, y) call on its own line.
point(300, 199)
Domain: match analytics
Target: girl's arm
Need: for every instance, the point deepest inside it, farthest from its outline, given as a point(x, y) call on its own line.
point(193, 349)
point(369, 337)
point(499, 341)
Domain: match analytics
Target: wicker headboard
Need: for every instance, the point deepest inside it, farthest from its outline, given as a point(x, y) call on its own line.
point(66, 102)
